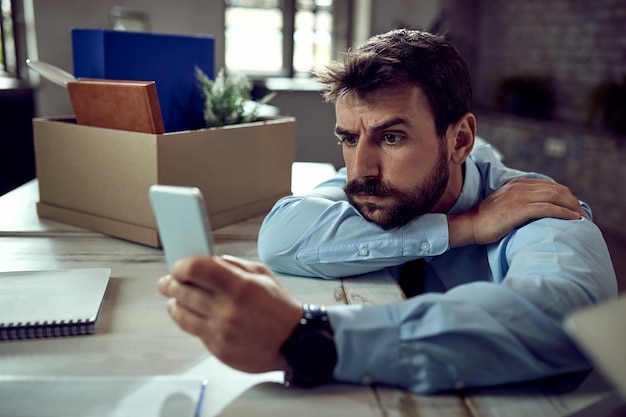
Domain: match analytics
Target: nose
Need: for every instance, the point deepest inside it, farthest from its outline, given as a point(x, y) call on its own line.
point(362, 160)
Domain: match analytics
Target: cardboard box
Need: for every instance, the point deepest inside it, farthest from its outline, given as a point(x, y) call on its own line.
point(99, 178)
point(167, 59)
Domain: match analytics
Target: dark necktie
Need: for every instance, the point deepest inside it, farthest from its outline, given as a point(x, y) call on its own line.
point(411, 279)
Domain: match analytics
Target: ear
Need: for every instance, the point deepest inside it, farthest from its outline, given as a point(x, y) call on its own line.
point(461, 136)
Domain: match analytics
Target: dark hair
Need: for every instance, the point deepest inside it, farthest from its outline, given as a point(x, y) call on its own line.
point(404, 57)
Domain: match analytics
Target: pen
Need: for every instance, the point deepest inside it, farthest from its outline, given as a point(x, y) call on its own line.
point(200, 399)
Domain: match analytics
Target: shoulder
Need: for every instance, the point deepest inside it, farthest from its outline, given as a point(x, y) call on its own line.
point(557, 239)
point(483, 150)
point(558, 250)
point(492, 169)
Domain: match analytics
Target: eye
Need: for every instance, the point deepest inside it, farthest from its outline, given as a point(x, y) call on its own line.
point(391, 139)
point(348, 140)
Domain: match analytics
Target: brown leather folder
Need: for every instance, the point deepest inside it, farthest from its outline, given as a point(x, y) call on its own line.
point(115, 104)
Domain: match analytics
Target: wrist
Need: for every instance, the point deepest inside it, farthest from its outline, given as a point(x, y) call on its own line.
point(460, 230)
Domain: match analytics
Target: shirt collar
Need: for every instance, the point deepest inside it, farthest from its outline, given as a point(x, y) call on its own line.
point(470, 192)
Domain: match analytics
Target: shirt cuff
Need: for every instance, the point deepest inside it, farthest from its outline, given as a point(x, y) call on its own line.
point(366, 341)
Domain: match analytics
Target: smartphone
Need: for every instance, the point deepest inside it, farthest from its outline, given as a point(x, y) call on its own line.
point(182, 222)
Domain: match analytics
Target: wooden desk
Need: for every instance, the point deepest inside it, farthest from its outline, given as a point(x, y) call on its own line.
point(136, 338)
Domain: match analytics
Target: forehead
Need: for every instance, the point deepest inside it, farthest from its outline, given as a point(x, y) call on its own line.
point(405, 102)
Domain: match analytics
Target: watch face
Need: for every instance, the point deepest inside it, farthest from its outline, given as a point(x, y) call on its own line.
point(310, 350)
point(313, 357)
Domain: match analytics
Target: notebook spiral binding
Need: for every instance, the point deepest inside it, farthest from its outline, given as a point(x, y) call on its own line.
point(19, 331)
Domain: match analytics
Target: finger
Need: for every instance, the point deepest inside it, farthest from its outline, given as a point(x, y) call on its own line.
point(561, 200)
point(187, 319)
point(541, 210)
point(557, 194)
point(246, 265)
point(209, 273)
point(540, 190)
point(163, 285)
point(190, 296)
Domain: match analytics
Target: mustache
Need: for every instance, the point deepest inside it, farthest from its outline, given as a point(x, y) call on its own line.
point(367, 186)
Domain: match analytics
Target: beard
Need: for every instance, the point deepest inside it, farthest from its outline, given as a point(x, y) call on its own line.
point(406, 206)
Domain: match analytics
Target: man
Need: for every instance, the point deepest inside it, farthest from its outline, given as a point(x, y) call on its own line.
point(496, 283)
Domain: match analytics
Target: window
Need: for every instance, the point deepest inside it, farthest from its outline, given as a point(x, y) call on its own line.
point(8, 61)
point(312, 35)
point(14, 17)
point(280, 37)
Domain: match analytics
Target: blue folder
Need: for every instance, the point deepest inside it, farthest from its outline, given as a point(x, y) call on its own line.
point(167, 59)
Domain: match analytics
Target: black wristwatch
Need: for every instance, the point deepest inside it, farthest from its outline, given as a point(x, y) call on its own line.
point(310, 350)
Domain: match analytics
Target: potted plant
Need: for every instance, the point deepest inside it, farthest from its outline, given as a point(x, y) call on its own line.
point(227, 100)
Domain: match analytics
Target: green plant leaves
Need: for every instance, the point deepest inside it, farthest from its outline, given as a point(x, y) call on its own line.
point(227, 100)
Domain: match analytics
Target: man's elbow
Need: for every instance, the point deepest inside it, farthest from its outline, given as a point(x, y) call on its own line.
point(268, 257)
point(269, 251)
point(278, 255)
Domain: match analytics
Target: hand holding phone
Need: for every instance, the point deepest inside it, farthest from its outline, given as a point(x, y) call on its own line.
point(182, 222)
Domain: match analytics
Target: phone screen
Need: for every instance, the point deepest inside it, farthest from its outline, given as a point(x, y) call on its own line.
point(182, 222)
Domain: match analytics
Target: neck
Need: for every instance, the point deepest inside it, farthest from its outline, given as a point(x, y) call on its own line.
point(452, 191)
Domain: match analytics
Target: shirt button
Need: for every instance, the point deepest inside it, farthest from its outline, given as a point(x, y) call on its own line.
point(459, 385)
point(367, 380)
point(425, 247)
point(363, 251)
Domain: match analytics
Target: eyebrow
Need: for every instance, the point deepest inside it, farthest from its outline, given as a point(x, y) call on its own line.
point(385, 125)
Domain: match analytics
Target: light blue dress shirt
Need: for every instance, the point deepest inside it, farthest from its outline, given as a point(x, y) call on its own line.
point(492, 313)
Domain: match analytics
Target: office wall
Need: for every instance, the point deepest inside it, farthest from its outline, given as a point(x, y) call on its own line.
point(54, 20)
point(416, 14)
point(573, 45)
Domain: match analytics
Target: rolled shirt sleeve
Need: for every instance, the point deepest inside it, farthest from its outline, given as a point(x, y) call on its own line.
point(322, 235)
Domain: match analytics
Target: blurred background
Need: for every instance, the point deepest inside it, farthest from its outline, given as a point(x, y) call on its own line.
point(549, 76)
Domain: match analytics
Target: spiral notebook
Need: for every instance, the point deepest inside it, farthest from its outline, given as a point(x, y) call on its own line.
point(37, 304)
